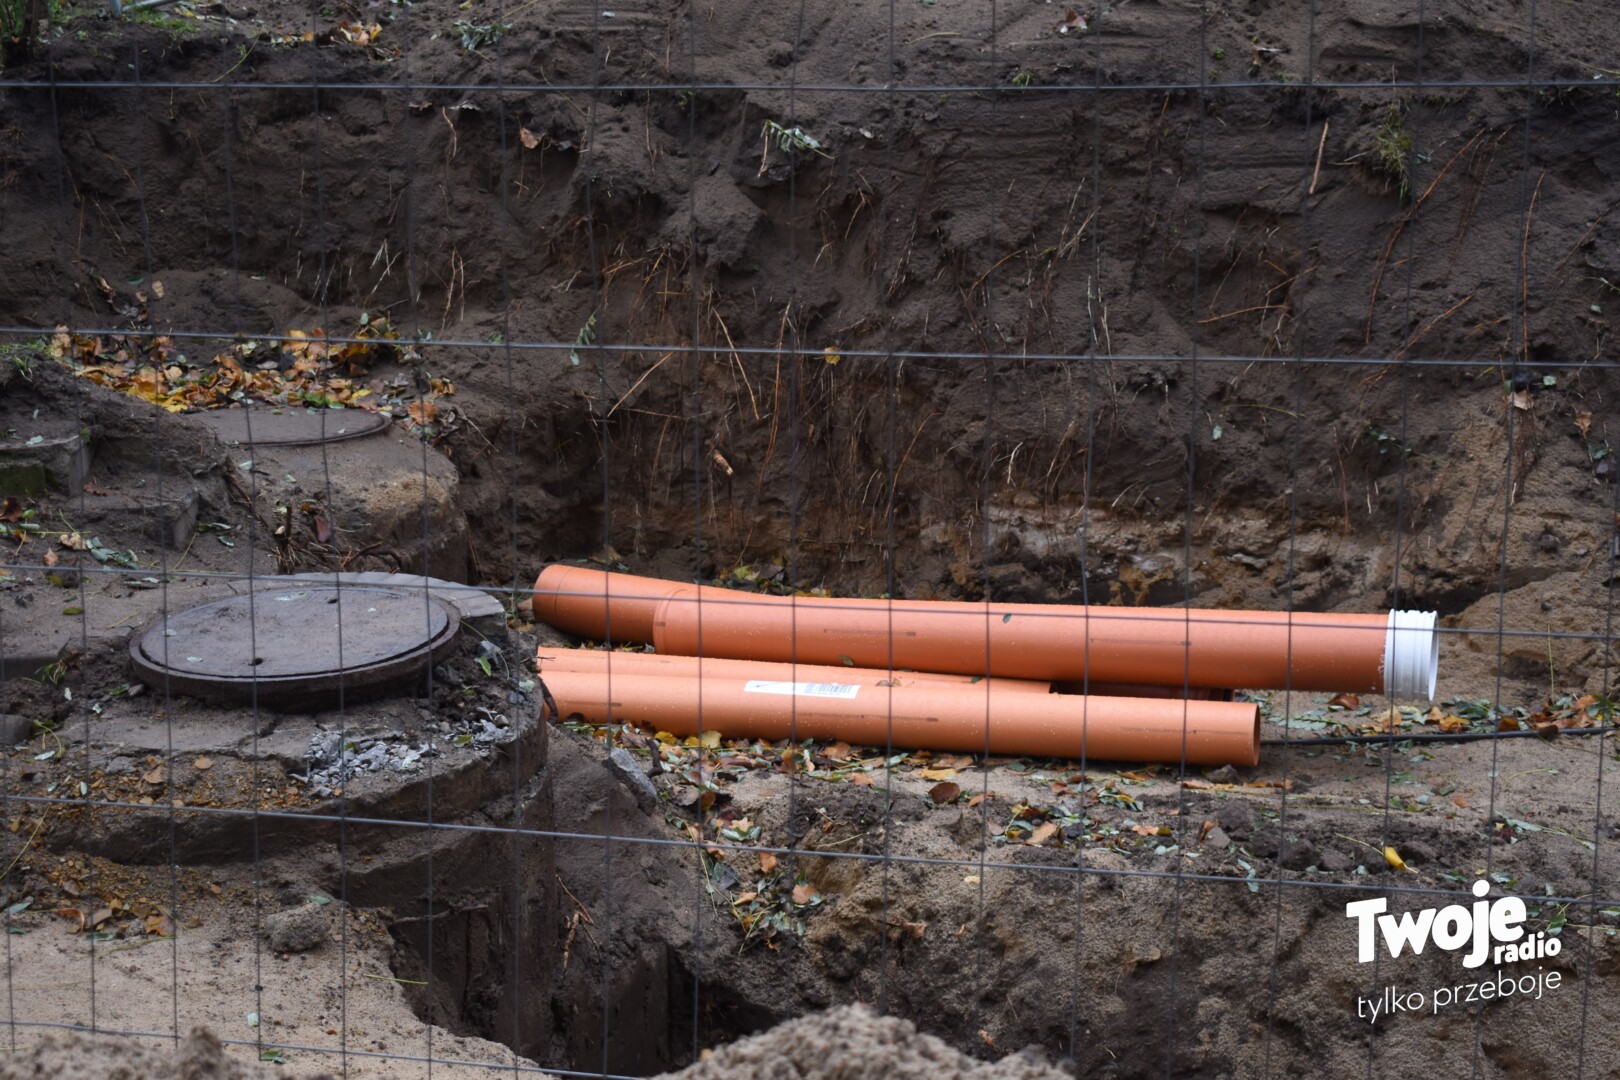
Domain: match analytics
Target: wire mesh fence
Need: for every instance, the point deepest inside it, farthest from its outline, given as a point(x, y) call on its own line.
point(1061, 401)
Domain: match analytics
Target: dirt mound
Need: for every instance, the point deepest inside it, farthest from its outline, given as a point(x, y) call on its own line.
point(200, 1056)
point(847, 1043)
point(854, 1043)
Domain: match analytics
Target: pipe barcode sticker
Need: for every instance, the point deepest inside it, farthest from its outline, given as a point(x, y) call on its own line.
point(802, 689)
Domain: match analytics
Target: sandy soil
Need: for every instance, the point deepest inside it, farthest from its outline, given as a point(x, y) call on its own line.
point(331, 1010)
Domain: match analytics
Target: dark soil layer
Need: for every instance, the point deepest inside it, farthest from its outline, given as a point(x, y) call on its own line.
point(1039, 341)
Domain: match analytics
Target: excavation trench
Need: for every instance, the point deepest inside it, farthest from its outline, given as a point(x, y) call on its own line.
point(652, 338)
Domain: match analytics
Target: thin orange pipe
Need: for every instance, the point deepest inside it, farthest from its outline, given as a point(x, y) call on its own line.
point(1003, 720)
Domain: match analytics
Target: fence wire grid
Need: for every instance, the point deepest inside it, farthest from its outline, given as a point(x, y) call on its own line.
point(819, 376)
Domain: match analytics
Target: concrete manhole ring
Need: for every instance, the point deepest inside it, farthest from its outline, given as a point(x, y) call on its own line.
point(292, 426)
point(283, 645)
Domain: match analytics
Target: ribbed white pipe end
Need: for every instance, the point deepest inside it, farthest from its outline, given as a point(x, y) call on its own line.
point(1411, 655)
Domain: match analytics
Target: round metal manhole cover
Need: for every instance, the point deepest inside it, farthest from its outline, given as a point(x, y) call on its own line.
point(274, 426)
point(284, 644)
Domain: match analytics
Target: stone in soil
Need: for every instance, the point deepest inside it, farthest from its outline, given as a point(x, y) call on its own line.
point(298, 929)
point(630, 775)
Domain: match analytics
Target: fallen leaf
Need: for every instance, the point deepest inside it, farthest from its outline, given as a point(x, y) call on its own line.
point(767, 862)
point(203, 764)
point(155, 776)
point(527, 138)
point(1453, 724)
point(157, 289)
point(861, 779)
point(159, 925)
point(1145, 830)
point(422, 413)
point(95, 489)
point(1204, 829)
point(831, 354)
point(10, 509)
point(1394, 859)
point(50, 558)
point(838, 751)
point(1042, 834)
point(1522, 399)
point(323, 531)
point(1583, 422)
point(357, 33)
point(938, 774)
point(1138, 776)
point(977, 799)
point(944, 792)
point(1507, 723)
point(1345, 701)
point(803, 894)
point(1389, 720)
point(971, 879)
point(73, 542)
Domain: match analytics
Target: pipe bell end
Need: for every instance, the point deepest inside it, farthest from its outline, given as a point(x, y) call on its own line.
point(1411, 654)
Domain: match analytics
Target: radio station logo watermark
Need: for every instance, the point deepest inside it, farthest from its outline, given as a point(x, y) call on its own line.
point(1486, 931)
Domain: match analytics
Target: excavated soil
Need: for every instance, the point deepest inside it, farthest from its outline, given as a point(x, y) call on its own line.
point(1028, 327)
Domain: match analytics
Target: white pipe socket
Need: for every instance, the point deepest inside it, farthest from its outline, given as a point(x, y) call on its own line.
point(1411, 655)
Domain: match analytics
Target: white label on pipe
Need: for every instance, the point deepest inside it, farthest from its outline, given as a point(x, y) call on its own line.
point(802, 689)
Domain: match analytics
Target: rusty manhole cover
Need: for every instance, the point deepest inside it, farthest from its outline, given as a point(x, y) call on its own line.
point(283, 644)
point(275, 426)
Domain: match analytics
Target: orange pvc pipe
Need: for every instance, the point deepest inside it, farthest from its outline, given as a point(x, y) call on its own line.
point(931, 715)
point(1163, 647)
point(598, 661)
point(579, 600)
point(1046, 642)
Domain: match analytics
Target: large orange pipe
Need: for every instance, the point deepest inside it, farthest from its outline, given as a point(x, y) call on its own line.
point(1045, 642)
point(922, 714)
